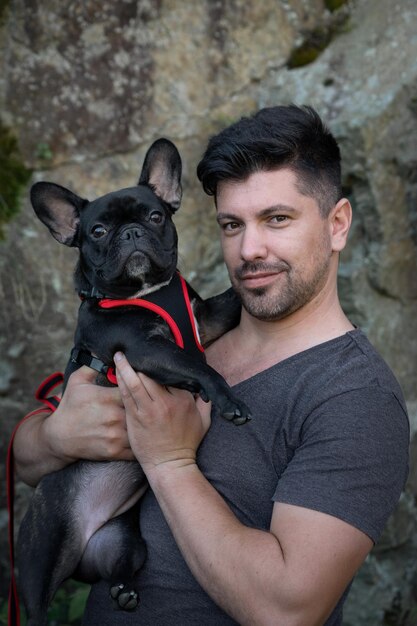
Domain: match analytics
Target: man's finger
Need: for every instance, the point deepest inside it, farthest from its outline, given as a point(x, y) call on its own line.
point(84, 375)
point(88, 376)
point(131, 385)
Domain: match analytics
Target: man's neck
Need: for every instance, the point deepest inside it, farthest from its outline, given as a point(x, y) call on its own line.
point(255, 345)
point(295, 333)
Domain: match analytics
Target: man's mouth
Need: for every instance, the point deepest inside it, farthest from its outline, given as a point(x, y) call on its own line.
point(259, 276)
point(259, 279)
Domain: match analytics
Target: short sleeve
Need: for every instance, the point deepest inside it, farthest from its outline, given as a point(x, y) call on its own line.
point(352, 461)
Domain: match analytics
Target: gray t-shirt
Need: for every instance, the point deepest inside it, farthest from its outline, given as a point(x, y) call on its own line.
point(329, 432)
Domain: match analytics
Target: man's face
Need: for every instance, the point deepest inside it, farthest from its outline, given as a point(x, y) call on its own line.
point(277, 247)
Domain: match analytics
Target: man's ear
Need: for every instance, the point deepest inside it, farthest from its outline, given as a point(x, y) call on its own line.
point(59, 209)
point(162, 171)
point(340, 219)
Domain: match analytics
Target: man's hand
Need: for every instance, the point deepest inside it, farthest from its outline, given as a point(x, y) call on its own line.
point(165, 425)
point(88, 424)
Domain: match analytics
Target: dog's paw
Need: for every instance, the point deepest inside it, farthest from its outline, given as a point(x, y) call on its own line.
point(126, 599)
point(235, 411)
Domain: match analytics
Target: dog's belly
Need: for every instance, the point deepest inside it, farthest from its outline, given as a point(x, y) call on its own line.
point(104, 490)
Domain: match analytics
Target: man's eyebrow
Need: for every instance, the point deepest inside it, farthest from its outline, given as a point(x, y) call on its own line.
point(225, 216)
point(270, 210)
point(277, 208)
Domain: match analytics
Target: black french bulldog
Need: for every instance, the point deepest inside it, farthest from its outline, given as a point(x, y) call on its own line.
point(82, 521)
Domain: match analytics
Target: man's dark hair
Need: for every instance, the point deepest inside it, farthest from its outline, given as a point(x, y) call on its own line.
point(276, 137)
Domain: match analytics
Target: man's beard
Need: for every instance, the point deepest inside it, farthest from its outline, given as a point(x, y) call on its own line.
point(285, 295)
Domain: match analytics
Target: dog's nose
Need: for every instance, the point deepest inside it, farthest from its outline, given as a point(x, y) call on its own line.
point(131, 233)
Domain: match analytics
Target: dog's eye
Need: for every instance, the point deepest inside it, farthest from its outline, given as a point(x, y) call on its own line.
point(98, 231)
point(156, 217)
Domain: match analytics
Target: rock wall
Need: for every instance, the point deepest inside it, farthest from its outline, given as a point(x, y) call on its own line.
point(85, 86)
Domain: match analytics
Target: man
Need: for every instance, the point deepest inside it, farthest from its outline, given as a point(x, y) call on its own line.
point(266, 523)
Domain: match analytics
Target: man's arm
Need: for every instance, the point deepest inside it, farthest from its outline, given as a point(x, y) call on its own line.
point(89, 423)
point(292, 575)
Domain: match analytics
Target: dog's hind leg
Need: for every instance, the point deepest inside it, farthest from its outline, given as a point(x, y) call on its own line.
point(67, 509)
point(48, 550)
point(115, 553)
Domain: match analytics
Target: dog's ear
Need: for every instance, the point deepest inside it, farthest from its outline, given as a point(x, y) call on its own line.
point(162, 171)
point(59, 209)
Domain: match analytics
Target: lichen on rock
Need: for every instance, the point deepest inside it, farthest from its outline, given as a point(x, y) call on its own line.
point(14, 176)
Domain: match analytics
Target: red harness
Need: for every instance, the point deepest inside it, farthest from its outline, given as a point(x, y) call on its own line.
point(171, 302)
point(168, 302)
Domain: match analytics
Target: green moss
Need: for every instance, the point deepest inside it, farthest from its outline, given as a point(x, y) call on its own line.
point(4, 4)
point(43, 152)
point(334, 5)
point(68, 605)
point(14, 176)
point(66, 608)
point(310, 49)
point(318, 39)
point(302, 56)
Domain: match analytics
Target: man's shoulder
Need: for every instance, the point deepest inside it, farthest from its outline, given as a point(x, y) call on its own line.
point(373, 364)
point(339, 366)
point(349, 357)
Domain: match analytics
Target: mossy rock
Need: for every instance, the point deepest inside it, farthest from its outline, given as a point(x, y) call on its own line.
point(317, 40)
point(14, 176)
point(4, 4)
point(312, 46)
point(334, 5)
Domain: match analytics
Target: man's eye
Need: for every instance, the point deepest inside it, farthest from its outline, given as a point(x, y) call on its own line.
point(98, 231)
point(278, 219)
point(156, 217)
point(230, 226)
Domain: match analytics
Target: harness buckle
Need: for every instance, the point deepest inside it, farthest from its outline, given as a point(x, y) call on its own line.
point(82, 357)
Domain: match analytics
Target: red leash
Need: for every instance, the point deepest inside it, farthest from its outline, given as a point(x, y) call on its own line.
point(50, 404)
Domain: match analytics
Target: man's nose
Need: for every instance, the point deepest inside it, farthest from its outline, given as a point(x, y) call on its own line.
point(253, 245)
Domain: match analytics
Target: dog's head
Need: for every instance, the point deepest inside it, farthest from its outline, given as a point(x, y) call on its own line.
point(126, 239)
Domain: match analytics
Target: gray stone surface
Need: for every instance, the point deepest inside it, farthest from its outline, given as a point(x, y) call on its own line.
point(86, 86)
